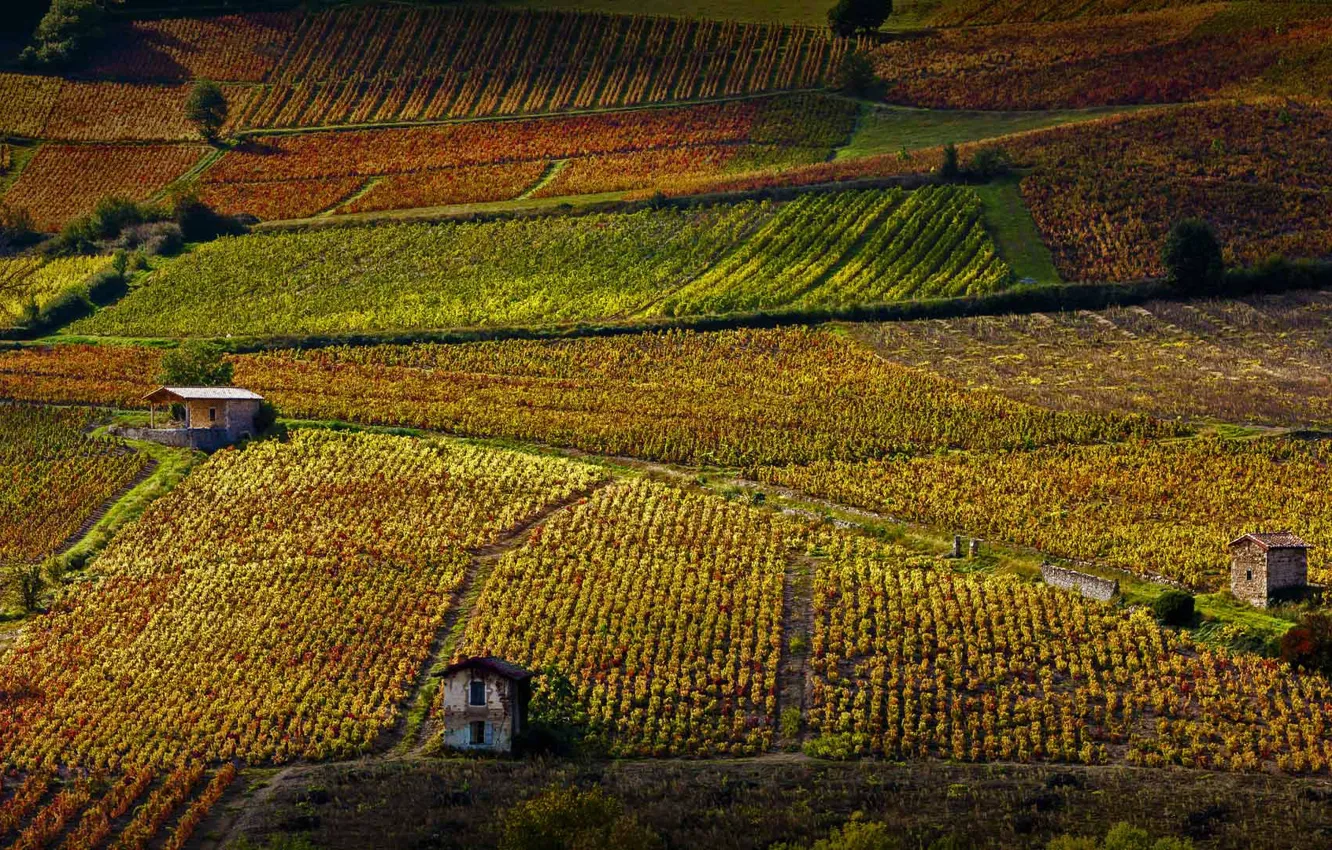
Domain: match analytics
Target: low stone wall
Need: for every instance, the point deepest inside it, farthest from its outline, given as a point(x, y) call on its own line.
point(1090, 586)
point(203, 439)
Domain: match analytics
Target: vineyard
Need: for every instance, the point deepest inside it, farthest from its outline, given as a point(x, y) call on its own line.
point(106, 375)
point(821, 250)
point(63, 182)
point(321, 604)
point(691, 588)
point(1259, 360)
point(52, 477)
point(27, 284)
point(236, 48)
point(912, 662)
point(738, 398)
point(1105, 193)
point(297, 176)
point(1156, 57)
point(356, 66)
point(1154, 508)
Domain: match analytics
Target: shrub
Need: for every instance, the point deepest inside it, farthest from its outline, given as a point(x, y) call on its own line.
point(195, 363)
point(1192, 256)
point(16, 231)
point(556, 721)
point(206, 108)
point(949, 169)
point(199, 222)
point(569, 819)
point(988, 163)
point(849, 17)
point(1309, 644)
point(1174, 608)
point(860, 835)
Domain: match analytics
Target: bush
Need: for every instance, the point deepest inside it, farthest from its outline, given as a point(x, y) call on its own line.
point(855, 76)
point(1192, 257)
point(16, 231)
point(108, 220)
point(988, 163)
point(1309, 644)
point(266, 417)
point(849, 17)
point(159, 238)
point(569, 819)
point(63, 33)
point(195, 363)
point(206, 108)
point(1174, 608)
point(199, 222)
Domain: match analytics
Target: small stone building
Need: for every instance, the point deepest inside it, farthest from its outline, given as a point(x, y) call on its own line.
point(214, 416)
point(485, 704)
point(1267, 567)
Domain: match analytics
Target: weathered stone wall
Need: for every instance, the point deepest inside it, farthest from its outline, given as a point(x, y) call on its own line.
point(497, 713)
point(203, 439)
point(1090, 586)
point(1248, 573)
point(1287, 569)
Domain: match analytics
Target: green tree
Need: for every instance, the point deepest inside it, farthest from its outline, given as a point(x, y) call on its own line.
point(855, 76)
point(195, 363)
point(1192, 256)
point(26, 582)
point(568, 819)
point(63, 33)
point(949, 169)
point(206, 108)
point(849, 17)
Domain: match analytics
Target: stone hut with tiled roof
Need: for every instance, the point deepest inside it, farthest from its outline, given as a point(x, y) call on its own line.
point(485, 703)
point(1268, 567)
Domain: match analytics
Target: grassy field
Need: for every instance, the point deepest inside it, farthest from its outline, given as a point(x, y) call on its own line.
point(1015, 233)
point(890, 129)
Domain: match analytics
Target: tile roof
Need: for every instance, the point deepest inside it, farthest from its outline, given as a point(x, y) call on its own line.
point(494, 665)
point(1273, 540)
point(208, 393)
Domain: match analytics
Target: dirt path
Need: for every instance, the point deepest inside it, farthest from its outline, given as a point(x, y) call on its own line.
point(793, 669)
point(96, 516)
point(412, 732)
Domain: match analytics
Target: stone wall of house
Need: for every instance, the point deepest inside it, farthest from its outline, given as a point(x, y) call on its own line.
point(497, 713)
point(1248, 573)
point(1287, 569)
point(1090, 586)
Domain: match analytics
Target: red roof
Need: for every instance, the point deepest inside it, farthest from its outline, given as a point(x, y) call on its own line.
point(494, 665)
point(1272, 540)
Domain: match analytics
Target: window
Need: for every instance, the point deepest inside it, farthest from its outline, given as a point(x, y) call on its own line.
point(212, 414)
point(1248, 575)
point(478, 732)
point(477, 694)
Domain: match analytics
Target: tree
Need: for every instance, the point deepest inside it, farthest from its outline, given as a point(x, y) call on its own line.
point(1192, 256)
point(949, 169)
point(849, 17)
point(1173, 608)
point(855, 76)
point(556, 720)
point(195, 363)
point(25, 581)
point(206, 108)
point(63, 33)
